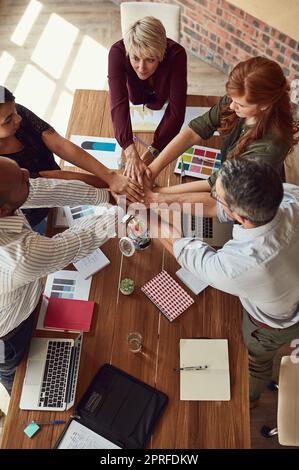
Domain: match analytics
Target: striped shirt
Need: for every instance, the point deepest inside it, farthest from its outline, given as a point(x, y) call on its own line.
point(26, 257)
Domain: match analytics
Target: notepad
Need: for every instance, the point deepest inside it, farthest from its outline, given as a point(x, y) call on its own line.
point(68, 314)
point(194, 283)
point(63, 284)
point(79, 436)
point(209, 384)
point(92, 263)
point(170, 298)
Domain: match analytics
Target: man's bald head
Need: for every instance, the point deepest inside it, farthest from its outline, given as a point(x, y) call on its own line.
point(14, 186)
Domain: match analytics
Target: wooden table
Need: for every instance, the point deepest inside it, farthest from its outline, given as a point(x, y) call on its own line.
point(214, 314)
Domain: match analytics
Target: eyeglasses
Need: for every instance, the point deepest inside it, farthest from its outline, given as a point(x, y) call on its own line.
point(215, 196)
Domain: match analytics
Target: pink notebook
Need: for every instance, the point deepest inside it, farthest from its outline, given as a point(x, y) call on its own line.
point(167, 295)
point(69, 314)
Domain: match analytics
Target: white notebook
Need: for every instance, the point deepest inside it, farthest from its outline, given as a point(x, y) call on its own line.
point(212, 383)
point(78, 436)
point(194, 283)
point(92, 263)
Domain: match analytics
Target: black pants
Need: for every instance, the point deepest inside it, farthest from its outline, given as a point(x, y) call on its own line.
point(14, 350)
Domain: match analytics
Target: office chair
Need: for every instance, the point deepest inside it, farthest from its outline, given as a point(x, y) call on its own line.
point(169, 15)
point(288, 404)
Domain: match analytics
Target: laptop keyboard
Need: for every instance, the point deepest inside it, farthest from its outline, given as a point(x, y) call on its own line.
point(55, 375)
point(207, 226)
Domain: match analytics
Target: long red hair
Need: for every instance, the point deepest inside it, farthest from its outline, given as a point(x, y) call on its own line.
point(260, 81)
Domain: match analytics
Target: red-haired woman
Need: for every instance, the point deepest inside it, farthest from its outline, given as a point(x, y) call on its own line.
point(254, 119)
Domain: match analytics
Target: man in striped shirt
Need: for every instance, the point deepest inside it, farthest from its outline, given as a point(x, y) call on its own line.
point(26, 257)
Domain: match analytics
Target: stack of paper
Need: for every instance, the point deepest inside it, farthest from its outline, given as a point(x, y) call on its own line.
point(104, 149)
point(194, 283)
point(78, 436)
point(63, 285)
point(75, 214)
point(92, 263)
point(144, 119)
point(206, 384)
point(60, 218)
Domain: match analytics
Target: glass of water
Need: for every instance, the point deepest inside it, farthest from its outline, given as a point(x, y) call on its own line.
point(134, 340)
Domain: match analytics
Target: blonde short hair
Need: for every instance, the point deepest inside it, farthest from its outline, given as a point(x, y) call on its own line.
point(146, 37)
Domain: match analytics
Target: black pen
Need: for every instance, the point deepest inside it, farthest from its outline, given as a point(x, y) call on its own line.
point(191, 368)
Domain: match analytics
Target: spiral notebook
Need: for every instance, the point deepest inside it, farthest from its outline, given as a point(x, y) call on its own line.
point(170, 298)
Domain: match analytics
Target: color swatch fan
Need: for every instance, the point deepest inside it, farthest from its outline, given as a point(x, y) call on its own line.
point(199, 162)
point(170, 298)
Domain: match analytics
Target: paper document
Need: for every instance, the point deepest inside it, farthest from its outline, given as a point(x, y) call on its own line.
point(194, 283)
point(193, 112)
point(144, 119)
point(212, 383)
point(104, 149)
point(60, 218)
point(76, 213)
point(92, 263)
point(66, 285)
point(78, 436)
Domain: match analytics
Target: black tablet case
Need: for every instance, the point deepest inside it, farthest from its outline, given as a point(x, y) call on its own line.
point(120, 408)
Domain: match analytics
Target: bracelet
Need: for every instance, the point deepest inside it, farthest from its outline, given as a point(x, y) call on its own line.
point(153, 151)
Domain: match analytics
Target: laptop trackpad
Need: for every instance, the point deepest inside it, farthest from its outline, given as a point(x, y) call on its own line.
point(33, 373)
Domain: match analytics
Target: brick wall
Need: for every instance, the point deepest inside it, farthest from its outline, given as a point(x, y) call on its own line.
point(223, 35)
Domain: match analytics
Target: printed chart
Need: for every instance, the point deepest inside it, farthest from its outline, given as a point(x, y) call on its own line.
point(105, 150)
point(67, 285)
point(199, 162)
point(76, 213)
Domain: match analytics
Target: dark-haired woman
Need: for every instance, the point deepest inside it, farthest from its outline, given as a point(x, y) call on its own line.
point(31, 142)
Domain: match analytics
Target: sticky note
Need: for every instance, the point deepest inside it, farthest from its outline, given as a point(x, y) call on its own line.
point(31, 429)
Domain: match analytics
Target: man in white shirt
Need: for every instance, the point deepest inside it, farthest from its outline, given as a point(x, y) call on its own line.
point(260, 264)
point(26, 257)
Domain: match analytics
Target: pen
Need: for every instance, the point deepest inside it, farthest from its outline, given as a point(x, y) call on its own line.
point(191, 368)
point(137, 139)
point(182, 167)
point(56, 421)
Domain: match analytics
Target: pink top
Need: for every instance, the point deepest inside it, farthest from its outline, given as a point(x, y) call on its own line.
point(169, 84)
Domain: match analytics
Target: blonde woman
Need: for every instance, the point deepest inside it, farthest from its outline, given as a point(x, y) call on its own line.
point(150, 69)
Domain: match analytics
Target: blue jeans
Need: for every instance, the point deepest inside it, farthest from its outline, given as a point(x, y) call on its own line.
point(41, 227)
point(14, 350)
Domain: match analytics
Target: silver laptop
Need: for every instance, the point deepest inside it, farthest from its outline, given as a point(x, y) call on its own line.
point(209, 229)
point(51, 375)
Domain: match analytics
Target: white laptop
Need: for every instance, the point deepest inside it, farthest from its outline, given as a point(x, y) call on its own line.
point(209, 229)
point(51, 375)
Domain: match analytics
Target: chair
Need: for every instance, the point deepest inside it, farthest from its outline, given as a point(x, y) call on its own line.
point(169, 15)
point(288, 404)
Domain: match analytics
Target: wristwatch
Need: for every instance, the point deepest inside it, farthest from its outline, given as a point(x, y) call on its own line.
point(154, 152)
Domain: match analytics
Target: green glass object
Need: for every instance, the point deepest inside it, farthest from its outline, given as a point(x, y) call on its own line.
point(127, 286)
